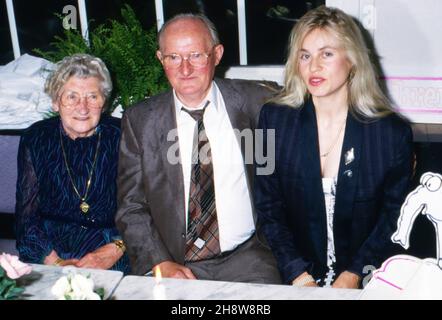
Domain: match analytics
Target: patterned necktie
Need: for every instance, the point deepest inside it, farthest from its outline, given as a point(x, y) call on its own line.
point(202, 241)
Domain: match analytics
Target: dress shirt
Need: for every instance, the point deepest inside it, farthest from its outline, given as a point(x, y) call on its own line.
point(232, 197)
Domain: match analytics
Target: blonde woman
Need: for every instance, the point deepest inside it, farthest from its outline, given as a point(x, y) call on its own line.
point(343, 159)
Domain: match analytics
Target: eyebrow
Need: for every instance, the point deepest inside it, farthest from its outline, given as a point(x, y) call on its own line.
point(87, 92)
point(320, 49)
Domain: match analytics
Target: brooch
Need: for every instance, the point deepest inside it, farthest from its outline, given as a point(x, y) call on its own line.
point(349, 156)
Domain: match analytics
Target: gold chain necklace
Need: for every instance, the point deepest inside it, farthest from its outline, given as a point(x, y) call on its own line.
point(84, 206)
point(335, 141)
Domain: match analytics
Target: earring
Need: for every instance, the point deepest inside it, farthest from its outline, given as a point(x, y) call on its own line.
point(351, 74)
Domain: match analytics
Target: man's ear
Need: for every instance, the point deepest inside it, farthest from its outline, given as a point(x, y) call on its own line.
point(158, 54)
point(219, 51)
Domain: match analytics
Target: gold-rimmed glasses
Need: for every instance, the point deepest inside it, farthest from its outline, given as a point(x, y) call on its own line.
point(71, 99)
point(196, 59)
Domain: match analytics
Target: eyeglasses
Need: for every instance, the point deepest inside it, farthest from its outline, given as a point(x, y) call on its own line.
point(196, 59)
point(71, 99)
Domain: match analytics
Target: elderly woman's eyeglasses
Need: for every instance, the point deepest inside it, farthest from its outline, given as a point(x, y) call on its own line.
point(196, 59)
point(71, 99)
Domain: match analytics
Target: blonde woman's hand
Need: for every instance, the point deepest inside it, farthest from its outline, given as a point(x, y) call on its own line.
point(304, 280)
point(347, 280)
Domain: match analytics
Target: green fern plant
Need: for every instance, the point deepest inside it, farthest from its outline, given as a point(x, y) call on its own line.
point(128, 51)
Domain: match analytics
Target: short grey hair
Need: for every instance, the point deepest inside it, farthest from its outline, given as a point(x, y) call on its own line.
point(191, 16)
point(79, 65)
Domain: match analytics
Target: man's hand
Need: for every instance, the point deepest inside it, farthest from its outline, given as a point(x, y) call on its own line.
point(171, 269)
point(102, 258)
point(347, 280)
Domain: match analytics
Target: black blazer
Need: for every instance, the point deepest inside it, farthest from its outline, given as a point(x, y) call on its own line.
point(370, 191)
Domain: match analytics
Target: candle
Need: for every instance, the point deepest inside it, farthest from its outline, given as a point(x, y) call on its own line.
point(159, 290)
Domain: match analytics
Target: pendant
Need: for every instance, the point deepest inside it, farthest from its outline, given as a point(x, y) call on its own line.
point(84, 207)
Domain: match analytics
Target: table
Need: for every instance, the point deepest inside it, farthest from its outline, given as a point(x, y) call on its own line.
point(141, 288)
point(39, 282)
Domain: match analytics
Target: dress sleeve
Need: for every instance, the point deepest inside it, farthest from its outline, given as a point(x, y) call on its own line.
point(32, 241)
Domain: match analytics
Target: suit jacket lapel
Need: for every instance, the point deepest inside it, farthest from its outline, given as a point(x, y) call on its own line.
point(166, 129)
point(234, 105)
point(310, 169)
point(347, 183)
point(240, 120)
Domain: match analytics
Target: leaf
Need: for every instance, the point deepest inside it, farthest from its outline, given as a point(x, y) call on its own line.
point(128, 51)
point(14, 293)
point(100, 292)
point(9, 289)
point(5, 284)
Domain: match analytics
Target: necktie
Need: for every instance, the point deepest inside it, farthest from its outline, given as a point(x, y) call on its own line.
point(202, 241)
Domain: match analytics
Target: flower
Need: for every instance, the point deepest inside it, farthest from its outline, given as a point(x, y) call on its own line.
point(14, 268)
point(11, 269)
point(76, 287)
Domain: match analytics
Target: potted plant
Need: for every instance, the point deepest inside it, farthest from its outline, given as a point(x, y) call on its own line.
point(128, 51)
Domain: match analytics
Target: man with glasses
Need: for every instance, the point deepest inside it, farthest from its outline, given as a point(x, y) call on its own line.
point(184, 186)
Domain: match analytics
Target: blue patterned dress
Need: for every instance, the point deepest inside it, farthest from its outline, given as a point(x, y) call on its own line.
point(48, 215)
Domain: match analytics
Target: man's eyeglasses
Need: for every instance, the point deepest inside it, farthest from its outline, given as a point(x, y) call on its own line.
point(196, 59)
point(71, 99)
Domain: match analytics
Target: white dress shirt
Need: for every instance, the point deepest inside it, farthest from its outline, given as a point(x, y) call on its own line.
point(232, 197)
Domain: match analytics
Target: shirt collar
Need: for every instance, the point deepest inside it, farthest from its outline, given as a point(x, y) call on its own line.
point(211, 96)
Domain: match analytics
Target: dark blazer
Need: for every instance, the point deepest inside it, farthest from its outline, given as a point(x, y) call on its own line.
point(370, 190)
point(151, 208)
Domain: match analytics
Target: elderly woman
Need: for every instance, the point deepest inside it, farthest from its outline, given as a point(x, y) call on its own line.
point(67, 166)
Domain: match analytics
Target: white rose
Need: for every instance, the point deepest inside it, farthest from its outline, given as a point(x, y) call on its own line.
point(82, 287)
point(75, 287)
point(92, 296)
point(61, 288)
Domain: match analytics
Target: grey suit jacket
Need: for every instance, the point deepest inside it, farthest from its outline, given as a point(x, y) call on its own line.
point(151, 208)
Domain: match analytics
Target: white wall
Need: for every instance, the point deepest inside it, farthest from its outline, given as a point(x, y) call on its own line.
point(408, 39)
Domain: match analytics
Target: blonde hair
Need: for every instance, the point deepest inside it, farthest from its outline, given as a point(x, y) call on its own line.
point(365, 97)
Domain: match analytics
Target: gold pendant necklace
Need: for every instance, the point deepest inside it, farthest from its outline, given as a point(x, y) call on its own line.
point(84, 206)
point(323, 155)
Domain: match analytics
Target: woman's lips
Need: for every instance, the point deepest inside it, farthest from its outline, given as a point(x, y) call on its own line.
point(315, 81)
